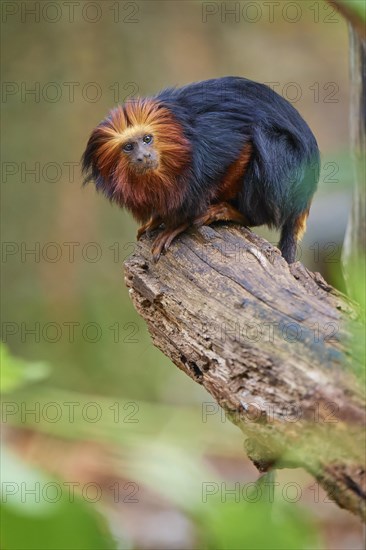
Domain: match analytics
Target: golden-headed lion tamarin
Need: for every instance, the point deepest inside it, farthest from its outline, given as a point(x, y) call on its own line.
point(222, 149)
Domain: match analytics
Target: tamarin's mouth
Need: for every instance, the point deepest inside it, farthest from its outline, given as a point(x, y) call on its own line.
point(146, 166)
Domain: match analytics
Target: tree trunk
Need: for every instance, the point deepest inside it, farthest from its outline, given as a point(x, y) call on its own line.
point(274, 345)
point(355, 241)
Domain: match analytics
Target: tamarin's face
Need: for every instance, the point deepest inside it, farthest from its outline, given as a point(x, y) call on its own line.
point(137, 144)
point(139, 151)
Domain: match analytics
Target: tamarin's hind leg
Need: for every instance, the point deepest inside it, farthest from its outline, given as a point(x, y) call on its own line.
point(292, 232)
point(153, 223)
point(222, 211)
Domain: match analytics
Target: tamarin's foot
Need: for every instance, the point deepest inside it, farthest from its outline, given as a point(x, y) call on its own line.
point(222, 211)
point(152, 224)
point(165, 239)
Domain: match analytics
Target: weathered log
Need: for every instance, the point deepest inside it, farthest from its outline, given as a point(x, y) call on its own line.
point(274, 345)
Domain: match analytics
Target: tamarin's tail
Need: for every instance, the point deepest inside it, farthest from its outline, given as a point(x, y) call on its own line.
point(283, 178)
point(292, 231)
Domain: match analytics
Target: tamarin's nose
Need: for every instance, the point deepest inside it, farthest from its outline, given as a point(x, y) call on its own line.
point(146, 156)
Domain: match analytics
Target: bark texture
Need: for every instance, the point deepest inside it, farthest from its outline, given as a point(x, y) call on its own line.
point(274, 345)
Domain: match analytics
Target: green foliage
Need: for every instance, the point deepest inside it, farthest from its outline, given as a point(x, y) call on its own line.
point(357, 287)
point(227, 515)
point(172, 467)
point(265, 522)
point(16, 373)
point(67, 526)
point(46, 520)
point(357, 7)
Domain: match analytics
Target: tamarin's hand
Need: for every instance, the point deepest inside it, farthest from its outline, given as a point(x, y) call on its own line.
point(227, 149)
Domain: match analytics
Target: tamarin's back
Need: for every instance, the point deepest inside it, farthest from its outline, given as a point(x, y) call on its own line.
point(223, 114)
point(231, 94)
point(221, 149)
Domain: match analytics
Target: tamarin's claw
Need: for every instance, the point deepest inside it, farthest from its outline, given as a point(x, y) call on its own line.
point(153, 223)
point(165, 239)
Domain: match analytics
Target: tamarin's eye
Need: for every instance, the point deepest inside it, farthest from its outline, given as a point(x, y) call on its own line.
point(147, 139)
point(128, 147)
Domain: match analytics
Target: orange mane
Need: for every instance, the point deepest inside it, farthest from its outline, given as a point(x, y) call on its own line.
point(157, 190)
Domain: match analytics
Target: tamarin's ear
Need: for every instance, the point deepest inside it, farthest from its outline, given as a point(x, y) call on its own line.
point(90, 169)
point(101, 156)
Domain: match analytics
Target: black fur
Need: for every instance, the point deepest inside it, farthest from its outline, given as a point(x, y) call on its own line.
point(219, 117)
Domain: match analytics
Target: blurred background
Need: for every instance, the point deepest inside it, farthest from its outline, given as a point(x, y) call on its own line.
point(106, 443)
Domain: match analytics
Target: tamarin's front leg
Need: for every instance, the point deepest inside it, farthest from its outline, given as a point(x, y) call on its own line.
point(165, 238)
point(222, 211)
point(154, 222)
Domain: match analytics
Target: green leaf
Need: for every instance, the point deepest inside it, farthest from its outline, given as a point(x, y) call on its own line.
point(70, 525)
point(39, 513)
